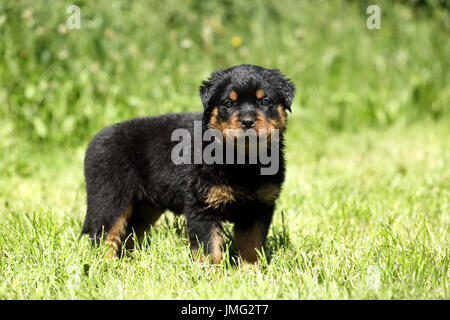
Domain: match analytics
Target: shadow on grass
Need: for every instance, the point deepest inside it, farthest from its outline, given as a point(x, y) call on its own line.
point(278, 239)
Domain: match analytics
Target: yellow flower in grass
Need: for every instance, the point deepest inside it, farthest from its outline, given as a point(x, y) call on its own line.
point(62, 29)
point(236, 41)
point(133, 50)
point(27, 14)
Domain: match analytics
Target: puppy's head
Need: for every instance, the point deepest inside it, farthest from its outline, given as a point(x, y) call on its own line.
point(246, 97)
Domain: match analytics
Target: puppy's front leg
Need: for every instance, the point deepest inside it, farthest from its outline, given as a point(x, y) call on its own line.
point(249, 237)
point(205, 235)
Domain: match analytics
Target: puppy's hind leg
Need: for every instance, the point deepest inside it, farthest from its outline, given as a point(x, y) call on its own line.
point(115, 235)
point(107, 216)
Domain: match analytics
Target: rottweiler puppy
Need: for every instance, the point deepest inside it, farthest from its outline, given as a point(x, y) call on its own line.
point(132, 174)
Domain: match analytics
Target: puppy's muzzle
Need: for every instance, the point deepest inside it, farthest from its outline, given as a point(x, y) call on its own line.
point(248, 122)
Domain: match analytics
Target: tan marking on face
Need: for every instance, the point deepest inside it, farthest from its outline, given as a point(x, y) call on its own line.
point(219, 196)
point(216, 123)
point(280, 123)
point(231, 127)
point(117, 231)
point(233, 96)
point(248, 241)
point(214, 120)
point(233, 123)
point(268, 192)
point(259, 94)
point(262, 123)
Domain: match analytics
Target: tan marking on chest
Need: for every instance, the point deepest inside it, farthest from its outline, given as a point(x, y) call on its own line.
point(219, 196)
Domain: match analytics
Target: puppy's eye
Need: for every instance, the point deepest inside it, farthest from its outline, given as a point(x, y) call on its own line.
point(228, 103)
point(265, 101)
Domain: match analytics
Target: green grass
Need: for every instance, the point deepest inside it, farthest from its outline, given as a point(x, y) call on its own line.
point(365, 210)
point(378, 200)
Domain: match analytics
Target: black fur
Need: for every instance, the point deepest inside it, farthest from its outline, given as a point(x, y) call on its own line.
point(130, 163)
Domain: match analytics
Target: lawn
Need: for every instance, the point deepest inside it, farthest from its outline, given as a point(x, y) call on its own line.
point(361, 216)
point(365, 209)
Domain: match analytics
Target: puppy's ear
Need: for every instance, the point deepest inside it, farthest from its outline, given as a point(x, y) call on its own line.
point(208, 87)
point(286, 89)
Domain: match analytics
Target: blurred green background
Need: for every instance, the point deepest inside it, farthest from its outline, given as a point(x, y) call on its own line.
point(137, 58)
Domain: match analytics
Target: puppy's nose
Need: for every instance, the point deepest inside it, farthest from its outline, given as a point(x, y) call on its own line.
point(247, 122)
